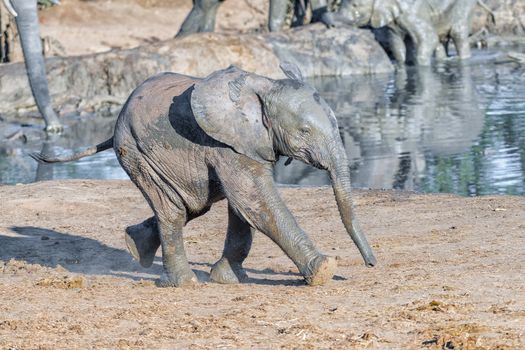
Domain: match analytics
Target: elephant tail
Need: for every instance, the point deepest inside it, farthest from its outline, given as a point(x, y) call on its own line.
point(42, 158)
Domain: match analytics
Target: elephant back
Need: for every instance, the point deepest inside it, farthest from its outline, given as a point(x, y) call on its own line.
point(155, 99)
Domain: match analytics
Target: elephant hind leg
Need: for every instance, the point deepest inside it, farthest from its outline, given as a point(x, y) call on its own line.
point(177, 271)
point(170, 216)
point(236, 248)
point(459, 35)
point(143, 241)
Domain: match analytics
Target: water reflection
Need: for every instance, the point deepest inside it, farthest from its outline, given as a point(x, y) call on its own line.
point(453, 128)
point(391, 125)
point(17, 167)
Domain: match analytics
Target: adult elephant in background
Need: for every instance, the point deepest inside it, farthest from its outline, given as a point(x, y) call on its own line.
point(25, 12)
point(427, 25)
point(282, 14)
point(201, 17)
point(294, 13)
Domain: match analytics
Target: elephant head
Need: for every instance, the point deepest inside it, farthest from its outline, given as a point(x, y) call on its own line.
point(369, 12)
point(264, 119)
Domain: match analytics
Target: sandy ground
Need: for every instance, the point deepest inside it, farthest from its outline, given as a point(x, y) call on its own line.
point(450, 275)
point(79, 27)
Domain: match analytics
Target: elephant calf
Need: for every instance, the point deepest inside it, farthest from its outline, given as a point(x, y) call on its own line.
point(188, 143)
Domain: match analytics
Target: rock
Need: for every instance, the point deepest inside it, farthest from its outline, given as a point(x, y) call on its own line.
point(111, 76)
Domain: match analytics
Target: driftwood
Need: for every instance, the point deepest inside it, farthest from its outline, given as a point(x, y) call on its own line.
point(88, 81)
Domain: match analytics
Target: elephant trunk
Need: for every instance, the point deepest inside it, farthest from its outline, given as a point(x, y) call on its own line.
point(340, 176)
point(29, 32)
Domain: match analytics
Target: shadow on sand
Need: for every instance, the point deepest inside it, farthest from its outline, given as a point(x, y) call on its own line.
point(51, 248)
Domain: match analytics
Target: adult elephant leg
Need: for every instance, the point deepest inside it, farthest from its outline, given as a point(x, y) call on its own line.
point(201, 17)
point(441, 52)
point(253, 196)
point(398, 47)
point(459, 35)
point(425, 42)
point(277, 14)
point(29, 32)
point(236, 248)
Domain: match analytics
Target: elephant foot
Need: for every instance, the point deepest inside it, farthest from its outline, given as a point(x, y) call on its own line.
point(226, 272)
point(143, 241)
point(187, 278)
point(322, 269)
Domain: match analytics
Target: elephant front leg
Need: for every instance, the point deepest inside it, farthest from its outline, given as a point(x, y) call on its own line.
point(255, 198)
point(236, 248)
point(425, 40)
point(441, 52)
point(459, 35)
point(398, 47)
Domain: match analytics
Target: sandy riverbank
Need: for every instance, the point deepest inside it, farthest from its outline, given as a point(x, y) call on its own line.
point(450, 273)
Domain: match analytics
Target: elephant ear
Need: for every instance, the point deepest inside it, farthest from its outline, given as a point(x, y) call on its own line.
point(228, 109)
point(385, 12)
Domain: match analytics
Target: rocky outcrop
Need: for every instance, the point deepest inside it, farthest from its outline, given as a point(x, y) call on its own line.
point(108, 78)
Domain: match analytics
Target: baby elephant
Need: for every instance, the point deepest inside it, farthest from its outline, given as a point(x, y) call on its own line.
point(188, 143)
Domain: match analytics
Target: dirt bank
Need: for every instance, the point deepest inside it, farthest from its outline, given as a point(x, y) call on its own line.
point(450, 275)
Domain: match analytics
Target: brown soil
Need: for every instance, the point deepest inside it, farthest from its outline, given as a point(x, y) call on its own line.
point(79, 27)
point(450, 275)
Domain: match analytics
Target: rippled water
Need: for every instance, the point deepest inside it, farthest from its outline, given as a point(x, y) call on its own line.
point(453, 128)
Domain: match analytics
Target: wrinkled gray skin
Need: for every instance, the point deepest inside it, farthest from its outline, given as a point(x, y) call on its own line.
point(188, 142)
point(29, 32)
point(428, 25)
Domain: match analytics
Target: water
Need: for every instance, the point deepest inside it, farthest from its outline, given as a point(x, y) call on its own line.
point(453, 128)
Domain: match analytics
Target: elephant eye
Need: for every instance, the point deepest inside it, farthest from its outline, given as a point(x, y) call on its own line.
point(305, 130)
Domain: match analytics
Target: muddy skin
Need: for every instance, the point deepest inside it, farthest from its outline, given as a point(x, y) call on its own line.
point(187, 143)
